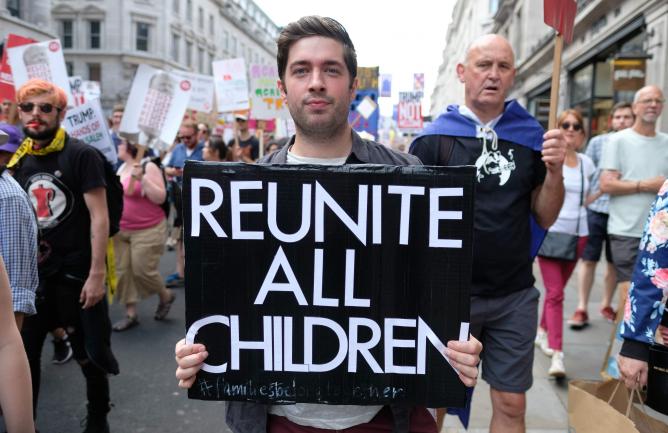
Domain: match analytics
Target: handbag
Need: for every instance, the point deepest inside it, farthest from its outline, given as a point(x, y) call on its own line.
point(564, 246)
point(657, 378)
point(604, 407)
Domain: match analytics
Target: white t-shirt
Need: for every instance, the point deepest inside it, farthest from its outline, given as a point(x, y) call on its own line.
point(567, 222)
point(332, 417)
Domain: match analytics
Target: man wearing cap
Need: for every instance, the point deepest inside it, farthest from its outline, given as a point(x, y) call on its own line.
point(18, 231)
point(246, 146)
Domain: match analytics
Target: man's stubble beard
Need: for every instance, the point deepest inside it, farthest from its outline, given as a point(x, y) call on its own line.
point(47, 134)
point(320, 130)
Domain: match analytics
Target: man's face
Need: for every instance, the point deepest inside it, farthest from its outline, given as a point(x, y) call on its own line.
point(188, 136)
point(116, 118)
point(622, 118)
point(202, 134)
point(37, 124)
point(649, 105)
point(4, 107)
point(316, 86)
point(488, 73)
point(242, 125)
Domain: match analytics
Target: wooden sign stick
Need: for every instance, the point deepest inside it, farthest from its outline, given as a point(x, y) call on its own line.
point(556, 76)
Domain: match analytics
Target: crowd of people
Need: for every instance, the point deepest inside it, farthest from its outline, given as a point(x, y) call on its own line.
point(55, 207)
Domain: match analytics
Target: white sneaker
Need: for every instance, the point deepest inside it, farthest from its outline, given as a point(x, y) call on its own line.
point(541, 343)
point(557, 369)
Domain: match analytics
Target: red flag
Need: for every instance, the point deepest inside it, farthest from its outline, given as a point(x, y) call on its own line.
point(560, 15)
point(6, 81)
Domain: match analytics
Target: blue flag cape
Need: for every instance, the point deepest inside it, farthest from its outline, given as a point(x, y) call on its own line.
point(516, 126)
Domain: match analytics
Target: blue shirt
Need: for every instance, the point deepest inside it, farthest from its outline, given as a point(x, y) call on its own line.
point(594, 151)
point(180, 155)
point(18, 243)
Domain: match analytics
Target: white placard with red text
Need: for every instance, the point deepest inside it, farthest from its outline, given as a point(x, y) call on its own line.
point(410, 110)
point(231, 84)
point(201, 96)
point(155, 107)
point(40, 60)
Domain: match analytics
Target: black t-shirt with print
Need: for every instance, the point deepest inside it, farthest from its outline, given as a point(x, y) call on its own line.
point(56, 193)
point(505, 180)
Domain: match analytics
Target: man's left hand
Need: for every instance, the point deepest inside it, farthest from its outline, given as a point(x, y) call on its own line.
point(465, 357)
point(93, 291)
point(554, 150)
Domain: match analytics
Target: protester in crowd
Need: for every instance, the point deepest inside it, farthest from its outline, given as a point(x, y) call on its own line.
point(519, 170)
point(316, 59)
point(65, 180)
point(202, 134)
point(19, 238)
point(275, 144)
point(246, 146)
point(572, 220)
point(9, 112)
point(216, 150)
point(15, 390)
point(187, 149)
point(18, 231)
point(116, 119)
point(644, 310)
point(634, 165)
point(139, 244)
point(621, 117)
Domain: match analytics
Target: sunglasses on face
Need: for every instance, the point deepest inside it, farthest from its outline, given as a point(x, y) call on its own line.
point(185, 137)
point(567, 125)
point(45, 108)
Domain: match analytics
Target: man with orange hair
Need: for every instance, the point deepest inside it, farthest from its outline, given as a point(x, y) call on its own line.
point(66, 183)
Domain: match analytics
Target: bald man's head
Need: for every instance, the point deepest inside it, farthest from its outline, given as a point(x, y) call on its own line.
point(648, 105)
point(488, 74)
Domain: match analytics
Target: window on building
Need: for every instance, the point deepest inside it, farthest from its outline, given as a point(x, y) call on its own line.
point(67, 34)
point(209, 65)
point(143, 33)
point(226, 40)
point(14, 8)
point(200, 18)
point(211, 32)
point(242, 51)
point(233, 48)
point(95, 72)
point(95, 33)
point(189, 54)
point(176, 6)
point(176, 44)
point(200, 60)
point(70, 68)
point(189, 10)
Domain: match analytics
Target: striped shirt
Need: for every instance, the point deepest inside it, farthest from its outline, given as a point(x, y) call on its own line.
point(594, 151)
point(18, 243)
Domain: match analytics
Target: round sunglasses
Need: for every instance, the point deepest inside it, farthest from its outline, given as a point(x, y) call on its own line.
point(45, 108)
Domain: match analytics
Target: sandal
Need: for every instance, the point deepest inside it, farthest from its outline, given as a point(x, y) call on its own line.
point(163, 308)
point(125, 324)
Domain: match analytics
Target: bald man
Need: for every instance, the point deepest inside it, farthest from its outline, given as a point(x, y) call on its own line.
point(519, 174)
point(634, 165)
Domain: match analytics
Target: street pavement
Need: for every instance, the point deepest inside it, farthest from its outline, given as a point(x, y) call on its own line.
point(147, 399)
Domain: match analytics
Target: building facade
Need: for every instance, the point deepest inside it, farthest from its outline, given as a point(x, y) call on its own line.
point(618, 46)
point(470, 19)
point(29, 18)
point(106, 40)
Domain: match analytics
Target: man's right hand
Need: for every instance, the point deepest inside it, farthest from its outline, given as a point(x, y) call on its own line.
point(189, 359)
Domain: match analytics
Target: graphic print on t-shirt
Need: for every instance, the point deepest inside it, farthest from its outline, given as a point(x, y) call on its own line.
point(51, 199)
point(495, 164)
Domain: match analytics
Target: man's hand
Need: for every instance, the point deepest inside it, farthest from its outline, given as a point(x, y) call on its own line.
point(189, 360)
point(633, 372)
point(465, 357)
point(554, 150)
point(653, 184)
point(93, 290)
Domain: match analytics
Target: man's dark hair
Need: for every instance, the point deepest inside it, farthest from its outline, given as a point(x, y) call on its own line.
point(621, 105)
point(315, 26)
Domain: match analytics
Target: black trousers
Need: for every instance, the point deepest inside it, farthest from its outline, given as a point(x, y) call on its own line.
point(57, 304)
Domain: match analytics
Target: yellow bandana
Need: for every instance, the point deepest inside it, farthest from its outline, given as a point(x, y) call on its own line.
point(26, 148)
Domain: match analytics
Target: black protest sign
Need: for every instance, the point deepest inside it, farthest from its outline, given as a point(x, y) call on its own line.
point(334, 285)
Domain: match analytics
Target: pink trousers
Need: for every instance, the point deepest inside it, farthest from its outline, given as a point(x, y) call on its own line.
point(555, 274)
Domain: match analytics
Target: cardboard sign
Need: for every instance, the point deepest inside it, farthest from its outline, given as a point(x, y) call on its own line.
point(231, 84)
point(336, 285)
point(91, 90)
point(266, 100)
point(560, 15)
point(6, 81)
point(409, 114)
point(418, 82)
point(76, 87)
point(628, 74)
point(87, 123)
point(155, 107)
point(367, 78)
point(42, 60)
point(201, 95)
point(364, 112)
point(385, 85)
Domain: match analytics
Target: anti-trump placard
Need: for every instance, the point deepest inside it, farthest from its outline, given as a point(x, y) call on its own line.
point(87, 123)
point(322, 284)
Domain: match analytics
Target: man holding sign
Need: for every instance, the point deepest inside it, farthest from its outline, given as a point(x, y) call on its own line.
point(519, 172)
point(317, 67)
